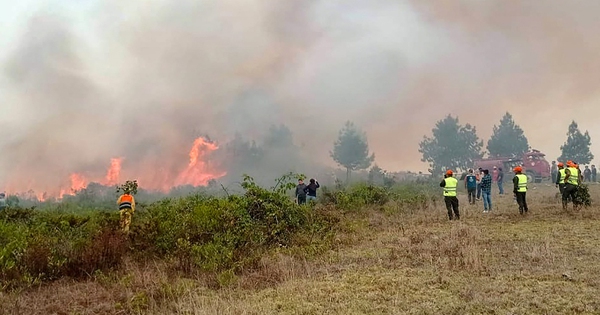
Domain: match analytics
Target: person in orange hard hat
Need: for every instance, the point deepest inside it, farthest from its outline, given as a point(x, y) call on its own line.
point(572, 181)
point(450, 185)
point(520, 189)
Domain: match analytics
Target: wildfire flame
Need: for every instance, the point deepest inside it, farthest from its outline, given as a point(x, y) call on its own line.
point(198, 172)
point(112, 176)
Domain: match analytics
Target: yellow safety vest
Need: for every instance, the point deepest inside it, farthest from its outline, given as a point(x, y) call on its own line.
point(450, 189)
point(522, 184)
point(562, 174)
point(574, 177)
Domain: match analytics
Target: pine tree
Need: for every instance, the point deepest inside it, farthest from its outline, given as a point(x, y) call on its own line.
point(577, 146)
point(507, 139)
point(351, 149)
point(452, 146)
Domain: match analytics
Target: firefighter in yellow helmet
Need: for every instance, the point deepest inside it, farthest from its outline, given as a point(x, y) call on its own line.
point(450, 185)
point(126, 204)
point(520, 189)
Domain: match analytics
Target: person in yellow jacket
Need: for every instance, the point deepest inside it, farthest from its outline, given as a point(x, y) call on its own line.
point(520, 189)
point(126, 204)
point(450, 185)
point(560, 178)
point(572, 181)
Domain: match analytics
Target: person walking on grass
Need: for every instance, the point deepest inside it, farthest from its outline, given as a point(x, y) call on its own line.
point(486, 191)
point(301, 192)
point(520, 189)
point(311, 190)
point(471, 186)
point(450, 185)
point(126, 204)
point(572, 181)
point(594, 173)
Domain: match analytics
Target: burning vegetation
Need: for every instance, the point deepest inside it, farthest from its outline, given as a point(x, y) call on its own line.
point(198, 172)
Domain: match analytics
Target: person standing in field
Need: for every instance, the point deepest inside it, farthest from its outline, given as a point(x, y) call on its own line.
point(560, 178)
point(486, 191)
point(126, 204)
point(479, 176)
point(520, 189)
point(572, 181)
point(594, 173)
point(471, 186)
point(450, 185)
point(587, 174)
point(500, 181)
point(301, 192)
point(554, 171)
point(311, 190)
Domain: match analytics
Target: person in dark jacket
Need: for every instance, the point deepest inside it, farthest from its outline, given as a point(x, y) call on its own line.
point(500, 181)
point(301, 192)
point(311, 189)
point(594, 173)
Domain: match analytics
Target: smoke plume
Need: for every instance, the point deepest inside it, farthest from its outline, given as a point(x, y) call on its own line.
point(144, 79)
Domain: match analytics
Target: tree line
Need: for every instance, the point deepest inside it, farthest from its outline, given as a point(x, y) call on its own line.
point(456, 146)
point(451, 145)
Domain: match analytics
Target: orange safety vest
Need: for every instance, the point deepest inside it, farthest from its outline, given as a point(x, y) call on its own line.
point(126, 202)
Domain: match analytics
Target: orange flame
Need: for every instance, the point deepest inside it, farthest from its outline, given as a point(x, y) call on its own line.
point(161, 177)
point(112, 176)
point(198, 173)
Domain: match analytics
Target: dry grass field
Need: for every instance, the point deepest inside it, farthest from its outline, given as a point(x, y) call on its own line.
point(545, 262)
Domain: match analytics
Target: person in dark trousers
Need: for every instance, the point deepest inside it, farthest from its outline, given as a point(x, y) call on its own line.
point(450, 185)
point(486, 191)
point(479, 176)
point(594, 173)
point(471, 186)
point(587, 174)
point(560, 178)
point(301, 192)
point(311, 190)
point(572, 181)
point(520, 189)
point(554, 171)
point(500, 181)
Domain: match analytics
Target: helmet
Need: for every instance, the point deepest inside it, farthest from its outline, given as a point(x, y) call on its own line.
point(518, 169)
point(560, 164)
point(449, 172)
point(569, 163)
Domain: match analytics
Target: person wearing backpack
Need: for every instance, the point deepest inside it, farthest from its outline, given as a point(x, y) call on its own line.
point(471, 186)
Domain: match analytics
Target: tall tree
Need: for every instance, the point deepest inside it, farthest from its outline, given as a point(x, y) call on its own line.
point(577, 147)
point(452, 146)
point(507, 139)
point(351, 149)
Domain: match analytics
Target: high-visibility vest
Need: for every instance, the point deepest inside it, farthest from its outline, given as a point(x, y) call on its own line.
point(522, 184)
point(126, 202)
point(450, 188)
point(562, 173)
point(574, 177)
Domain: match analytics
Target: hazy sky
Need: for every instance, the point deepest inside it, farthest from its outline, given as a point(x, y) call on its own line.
point(83, 81)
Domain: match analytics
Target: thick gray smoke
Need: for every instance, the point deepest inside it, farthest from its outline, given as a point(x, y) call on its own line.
point(145, 79)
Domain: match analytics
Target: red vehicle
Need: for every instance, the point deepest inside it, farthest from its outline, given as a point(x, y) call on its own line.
point(534, 165)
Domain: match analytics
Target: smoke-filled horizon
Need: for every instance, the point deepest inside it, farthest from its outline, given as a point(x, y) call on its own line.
point(141, 80)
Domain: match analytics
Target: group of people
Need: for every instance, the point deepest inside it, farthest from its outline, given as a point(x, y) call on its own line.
point(482, 184)
point(306, 192)
point(568, 180)
point(587, 175)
